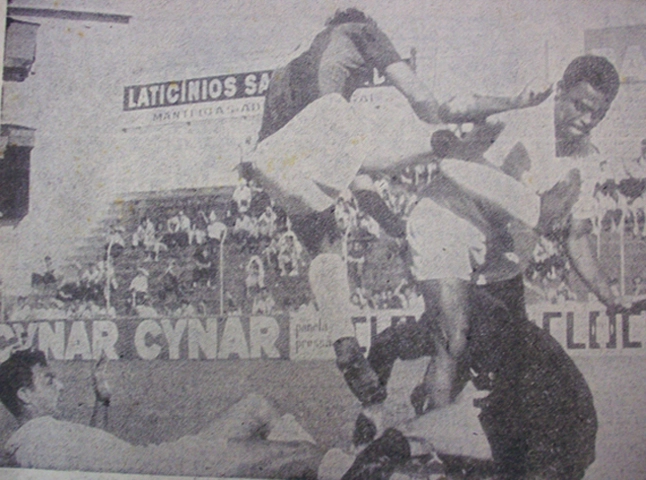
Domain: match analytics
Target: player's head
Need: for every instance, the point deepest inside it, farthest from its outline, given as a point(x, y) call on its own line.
point(28, 388)
point(583, 96)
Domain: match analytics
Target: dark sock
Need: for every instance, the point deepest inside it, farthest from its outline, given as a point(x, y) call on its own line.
point(365, 431)
point(379, 459)
point(359, 375)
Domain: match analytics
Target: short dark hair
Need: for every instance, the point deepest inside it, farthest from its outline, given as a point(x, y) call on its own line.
point(350, 15)
point(16, 373)
point(595, 70)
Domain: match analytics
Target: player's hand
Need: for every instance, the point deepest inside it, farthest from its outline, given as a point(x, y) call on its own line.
point(629, 303)
point(533, 94)
point(102, 390)
point(557, 203)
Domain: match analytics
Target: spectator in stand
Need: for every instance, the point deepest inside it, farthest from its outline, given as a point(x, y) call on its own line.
point(139, 287)
point(356, 259)
point(245, 229)
point(263, 303)
point(184, 222)
point(140, 234)
point(392, 300)
point(231, 306)
point(70, 283)
point(185, 310)
point(289, 254)
point(171, 289)
point(205, 270)
point(255, 280)
point(242, 197)
point(215, 230)
point(267, 223)
point(613, 286)
point(47, 278)
point(115, 242)
point(92, 283)
point(402, 300)
point(282, 220)
point(172, 224)
point(260, 199)
point(145, 310)
point(149, 232)
point(111, 283)
point(145, 235)
point(196, 236)
point(345, 213)
point(415, 301)
point(638, 207)
point(368, 224)
point(636, 167)
point(178, 227)
point(354, 300)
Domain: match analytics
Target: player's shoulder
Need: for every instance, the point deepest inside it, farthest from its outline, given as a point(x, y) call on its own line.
point(533, 128)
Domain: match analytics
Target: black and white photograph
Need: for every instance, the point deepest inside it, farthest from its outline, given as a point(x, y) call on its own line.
point(326, 239)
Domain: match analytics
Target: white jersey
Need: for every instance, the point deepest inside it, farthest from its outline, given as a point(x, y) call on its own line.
point(533, 128)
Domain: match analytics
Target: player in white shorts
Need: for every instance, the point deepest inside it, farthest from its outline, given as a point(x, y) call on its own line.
point(313, 144)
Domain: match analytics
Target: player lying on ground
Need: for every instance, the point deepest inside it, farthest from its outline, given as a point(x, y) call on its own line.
point(312, 144)
point(238, 444)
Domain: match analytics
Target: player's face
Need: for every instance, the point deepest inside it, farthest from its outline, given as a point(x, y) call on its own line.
point(579, 110)
point(44, 394)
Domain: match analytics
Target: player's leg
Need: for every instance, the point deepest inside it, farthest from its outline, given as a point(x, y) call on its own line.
point(451, 297)
point(442, 244)
point(329, 283)
point(267, 459)
point(560, 422)
point(251, 417)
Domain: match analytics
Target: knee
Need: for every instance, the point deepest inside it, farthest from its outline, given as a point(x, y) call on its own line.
point(457, 344)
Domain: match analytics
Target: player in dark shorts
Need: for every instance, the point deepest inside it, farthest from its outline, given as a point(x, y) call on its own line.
point(539, 418)
point(341, 59)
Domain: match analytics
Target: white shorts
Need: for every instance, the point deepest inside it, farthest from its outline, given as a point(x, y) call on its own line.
point(442, 244)
point(314, 157)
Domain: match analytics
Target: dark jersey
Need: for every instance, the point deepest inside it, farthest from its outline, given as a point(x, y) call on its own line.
point(340, 60)
point(539, 417)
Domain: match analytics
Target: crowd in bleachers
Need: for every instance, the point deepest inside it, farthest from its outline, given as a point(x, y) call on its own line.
point(620, 212)
point(166, 260)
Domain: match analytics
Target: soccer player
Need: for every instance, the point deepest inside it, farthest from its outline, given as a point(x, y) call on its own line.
point(539, 417)
point(312, 144)
point(233, 445)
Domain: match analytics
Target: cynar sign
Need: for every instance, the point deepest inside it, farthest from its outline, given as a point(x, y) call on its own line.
point(212, 338)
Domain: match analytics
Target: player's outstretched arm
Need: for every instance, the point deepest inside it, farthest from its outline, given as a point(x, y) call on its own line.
point(579, 249)
point(478, 107)
point(416, 92)
point(475, 108)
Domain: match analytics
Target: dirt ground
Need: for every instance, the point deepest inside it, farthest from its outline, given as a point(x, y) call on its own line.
point(163, 400)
